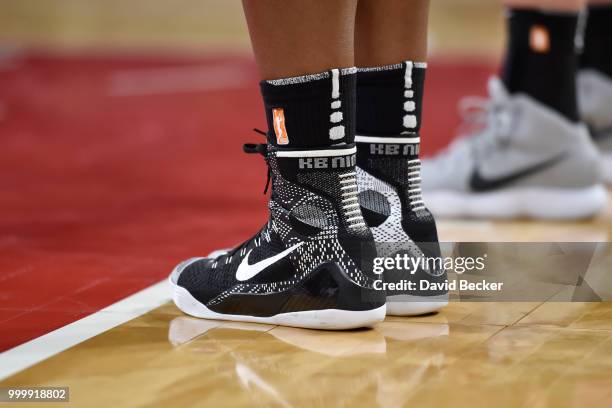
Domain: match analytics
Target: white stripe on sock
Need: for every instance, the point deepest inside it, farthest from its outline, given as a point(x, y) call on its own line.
point(376, 139)
point(335, 83)
point(316, 153)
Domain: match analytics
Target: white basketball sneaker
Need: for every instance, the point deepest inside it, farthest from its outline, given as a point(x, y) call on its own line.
point(528, 161)
point(595, 103)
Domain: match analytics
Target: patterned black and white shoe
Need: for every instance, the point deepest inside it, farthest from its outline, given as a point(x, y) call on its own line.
point(390, 199)
point(311, 264)
point(388, 176)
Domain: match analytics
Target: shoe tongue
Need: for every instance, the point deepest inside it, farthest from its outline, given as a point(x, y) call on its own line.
point(497, 90)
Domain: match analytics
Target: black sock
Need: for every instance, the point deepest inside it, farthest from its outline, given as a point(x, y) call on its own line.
point(597, 51)
point(389, 106)
point(541, 58)
point(389, 99)
point(311, 111)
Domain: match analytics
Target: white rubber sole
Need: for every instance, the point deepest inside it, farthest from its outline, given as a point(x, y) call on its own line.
point(407, 305)
point(326, 319)
point(539, 203)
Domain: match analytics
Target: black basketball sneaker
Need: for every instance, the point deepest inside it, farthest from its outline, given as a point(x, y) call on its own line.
point(388, 176)
point(311, 264)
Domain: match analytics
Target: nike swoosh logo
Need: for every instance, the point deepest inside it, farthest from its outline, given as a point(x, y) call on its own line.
point(480, 184)
point(246, 271)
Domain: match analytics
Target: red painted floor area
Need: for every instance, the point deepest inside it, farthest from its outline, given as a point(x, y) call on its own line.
point(115, 169)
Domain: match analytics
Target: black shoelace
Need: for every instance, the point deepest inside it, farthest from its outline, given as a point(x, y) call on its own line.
point(255, 148)
point(260, 148)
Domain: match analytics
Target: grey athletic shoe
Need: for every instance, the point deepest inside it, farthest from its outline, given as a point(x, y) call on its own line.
point(527, 161)
point(595, 102)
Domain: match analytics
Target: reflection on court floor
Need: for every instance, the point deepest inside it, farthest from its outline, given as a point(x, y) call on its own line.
point(469, 354)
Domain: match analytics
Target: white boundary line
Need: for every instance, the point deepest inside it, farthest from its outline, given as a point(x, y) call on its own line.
point(34, 351)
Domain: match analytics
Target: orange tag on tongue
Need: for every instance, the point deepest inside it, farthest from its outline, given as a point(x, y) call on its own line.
point(278, 115)
point(539, 39)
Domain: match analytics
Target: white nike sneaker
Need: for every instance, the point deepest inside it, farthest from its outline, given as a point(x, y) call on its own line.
point(595, 103)
point(528, 161)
